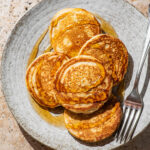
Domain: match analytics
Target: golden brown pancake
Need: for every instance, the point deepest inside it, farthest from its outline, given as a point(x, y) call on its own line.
point(96, 126)
point(70, 28)
point(99, 94)
point(84, 108)
point(72, 40)
point(82, 80)
point(40, 76)
point(111, 52)
point(80, 74)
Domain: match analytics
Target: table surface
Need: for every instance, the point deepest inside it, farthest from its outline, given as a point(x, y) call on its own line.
point(12, 136)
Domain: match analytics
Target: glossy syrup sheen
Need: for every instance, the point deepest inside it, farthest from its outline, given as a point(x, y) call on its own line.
point(45, 113)
point(35, 49)
point(106, 26)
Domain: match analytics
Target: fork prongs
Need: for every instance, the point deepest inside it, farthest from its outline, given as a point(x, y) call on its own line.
point(129, 124)
point(135, 124)
point(121, 124)
point(124, 124)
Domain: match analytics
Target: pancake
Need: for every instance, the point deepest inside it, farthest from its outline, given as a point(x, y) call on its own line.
point(82, 80)
point(111, 52)
point(72, 40)
point(80, 74)
point(98, 94)
point(96, 126)
point(70, 28)
point(84, 108)
point(40, 76)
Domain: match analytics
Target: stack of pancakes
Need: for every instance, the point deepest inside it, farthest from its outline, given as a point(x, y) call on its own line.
point(80, 74)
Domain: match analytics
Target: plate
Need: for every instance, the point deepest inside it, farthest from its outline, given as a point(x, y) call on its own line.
point(130, 26)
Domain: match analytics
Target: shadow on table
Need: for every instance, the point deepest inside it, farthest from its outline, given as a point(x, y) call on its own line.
point(140, 142)
point(34, 143)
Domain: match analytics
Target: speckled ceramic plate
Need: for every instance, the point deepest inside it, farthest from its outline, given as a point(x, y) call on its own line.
point(129, 24)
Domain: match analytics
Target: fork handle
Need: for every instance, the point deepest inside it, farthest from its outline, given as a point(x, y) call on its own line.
point(146, 50)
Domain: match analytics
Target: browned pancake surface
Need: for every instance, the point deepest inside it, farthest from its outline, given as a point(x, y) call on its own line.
point(111, 52)
point(40, 76)
point(70, 28)
point(77, 86)
point(96, 126)
point(84, 108)
point(73, 39)
point(79, 74)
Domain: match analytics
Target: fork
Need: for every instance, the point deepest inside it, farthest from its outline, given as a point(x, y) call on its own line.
point(133, 105)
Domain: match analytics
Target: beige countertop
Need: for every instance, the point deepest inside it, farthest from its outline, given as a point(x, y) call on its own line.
point(12, 136)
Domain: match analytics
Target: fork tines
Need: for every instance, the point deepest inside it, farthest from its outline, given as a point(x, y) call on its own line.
point(131, 114)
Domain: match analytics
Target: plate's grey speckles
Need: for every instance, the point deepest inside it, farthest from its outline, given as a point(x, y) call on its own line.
point(129, 24)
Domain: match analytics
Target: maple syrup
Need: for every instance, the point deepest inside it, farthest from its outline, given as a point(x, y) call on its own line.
point(35, 49)
point(46, 114)
point(48, 49)
point(106, 26)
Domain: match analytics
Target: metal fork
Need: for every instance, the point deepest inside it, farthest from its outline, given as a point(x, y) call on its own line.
point(133, 105)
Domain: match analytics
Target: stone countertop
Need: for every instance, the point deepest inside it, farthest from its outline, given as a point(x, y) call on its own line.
point(12, 136)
